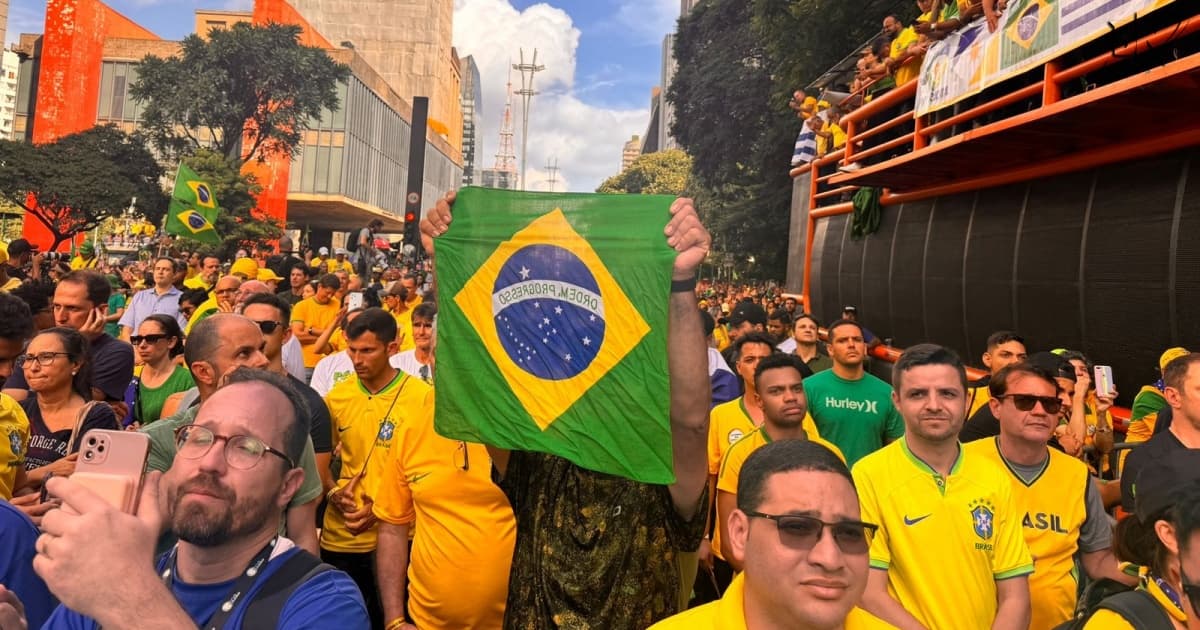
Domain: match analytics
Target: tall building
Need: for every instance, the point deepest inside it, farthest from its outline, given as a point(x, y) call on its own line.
point(352, 166)
point(9, 67)
point(662, 114)
point(631, 152)
point(472, 110)
point(504, 173)
point(3, 20)
point(408, 42)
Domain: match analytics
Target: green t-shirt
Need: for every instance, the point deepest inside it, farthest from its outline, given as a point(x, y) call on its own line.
point(115, 301)
point(149, 403)
point(857, 416)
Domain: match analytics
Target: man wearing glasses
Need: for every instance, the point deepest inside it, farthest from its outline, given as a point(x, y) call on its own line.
point(949, 552)
point(223, 496)
point(1062, 508)
point(812, 569)
point(218, 346)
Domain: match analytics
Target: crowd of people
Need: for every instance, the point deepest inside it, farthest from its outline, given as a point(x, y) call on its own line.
point(808, 493)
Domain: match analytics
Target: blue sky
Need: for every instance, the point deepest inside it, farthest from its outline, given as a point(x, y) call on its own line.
point(602, 56)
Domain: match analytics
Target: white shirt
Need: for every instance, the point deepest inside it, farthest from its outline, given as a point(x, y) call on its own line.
point(293, 358)
point(407, 362)
point(338, 367)
point(787, 346)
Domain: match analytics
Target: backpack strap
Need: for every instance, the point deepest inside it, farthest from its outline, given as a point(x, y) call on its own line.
point(266, 605)
point(1139, 609)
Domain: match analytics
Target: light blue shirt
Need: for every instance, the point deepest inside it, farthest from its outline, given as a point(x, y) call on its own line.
point(148, 302)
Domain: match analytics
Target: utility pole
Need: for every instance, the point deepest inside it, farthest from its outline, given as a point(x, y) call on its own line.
point(527, 93)
point(552, 173)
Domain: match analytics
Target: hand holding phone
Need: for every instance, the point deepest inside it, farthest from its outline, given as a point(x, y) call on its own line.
point(354, 300)
point(1103, 377)
point(111, 464)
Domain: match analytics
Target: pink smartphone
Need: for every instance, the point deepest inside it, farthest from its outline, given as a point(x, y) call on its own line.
point(1103, 379)
point(111, 464)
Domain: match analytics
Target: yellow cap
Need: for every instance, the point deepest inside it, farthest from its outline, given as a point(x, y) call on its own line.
point(267, 275)
point(1170, 355)
point(247, 268)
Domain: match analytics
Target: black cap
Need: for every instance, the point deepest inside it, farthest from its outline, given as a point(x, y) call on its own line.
point(748, 312)
point(18, 247)
point(708, 322)
point(849, 309)
point(1057, 366)
point(1157, 481)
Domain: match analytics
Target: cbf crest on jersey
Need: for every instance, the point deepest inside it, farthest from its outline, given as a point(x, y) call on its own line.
point(983, 518)
point(557, 308)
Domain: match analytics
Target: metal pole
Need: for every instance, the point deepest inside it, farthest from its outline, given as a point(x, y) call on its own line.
point(527, 93)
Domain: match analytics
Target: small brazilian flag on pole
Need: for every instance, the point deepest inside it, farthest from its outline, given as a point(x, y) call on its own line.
point(193, 208)
point(553, 313)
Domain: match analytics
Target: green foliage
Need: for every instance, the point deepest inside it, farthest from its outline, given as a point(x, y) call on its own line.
point(738, 63)
point(248, 92)
point(78, 181)
point(659, 173)
point(238, 222)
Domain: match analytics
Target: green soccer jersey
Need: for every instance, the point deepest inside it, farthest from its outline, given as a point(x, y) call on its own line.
point(857, 416)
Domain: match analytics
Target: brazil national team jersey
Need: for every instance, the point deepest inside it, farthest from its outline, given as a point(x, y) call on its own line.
point(1053, 510)
point(944, 541)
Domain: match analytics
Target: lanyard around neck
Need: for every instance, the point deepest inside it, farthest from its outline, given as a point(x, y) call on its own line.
point(239, 588)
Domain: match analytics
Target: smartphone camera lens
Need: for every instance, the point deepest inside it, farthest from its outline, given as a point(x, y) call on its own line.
point(91, 441)
point(88, 455)
point(100, 448)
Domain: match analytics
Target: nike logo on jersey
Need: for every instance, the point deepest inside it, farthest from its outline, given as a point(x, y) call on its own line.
point(413, 479)
point(340, 429)
point(914, 521)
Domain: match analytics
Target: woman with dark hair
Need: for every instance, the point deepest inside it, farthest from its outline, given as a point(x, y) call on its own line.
point(158, 343)
point(57, 371)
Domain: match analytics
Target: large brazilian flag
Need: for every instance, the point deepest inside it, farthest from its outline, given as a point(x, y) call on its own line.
point(552, 327)
point(193, 208)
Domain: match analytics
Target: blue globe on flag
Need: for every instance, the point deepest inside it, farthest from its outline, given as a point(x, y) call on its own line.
point(548, 312)
point(196, 221)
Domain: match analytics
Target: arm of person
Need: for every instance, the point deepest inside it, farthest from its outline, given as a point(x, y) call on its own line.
point(1012, 604)
point(1095, 539)
point(391, 569)
point(991, 14)
point(302, 332)
point(1103, 438)
point(322, 342)
point(726, 504)
point(302, 528)
point(324, 461)
point(1104, 564)
point(877, 601)
point(687, 362)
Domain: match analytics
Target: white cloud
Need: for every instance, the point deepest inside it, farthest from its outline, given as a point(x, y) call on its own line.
point(647, 21)
point(585, 139)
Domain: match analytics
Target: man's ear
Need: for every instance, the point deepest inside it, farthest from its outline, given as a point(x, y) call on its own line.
point(203, 372)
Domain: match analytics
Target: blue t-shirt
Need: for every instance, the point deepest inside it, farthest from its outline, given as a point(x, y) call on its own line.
point(17, 537)
point(328, 600)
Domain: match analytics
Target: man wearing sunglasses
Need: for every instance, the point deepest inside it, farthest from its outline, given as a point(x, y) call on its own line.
point(1062, 508)
point(223, 496)
point(797, 531)
point(269, 312)
point(950, 551)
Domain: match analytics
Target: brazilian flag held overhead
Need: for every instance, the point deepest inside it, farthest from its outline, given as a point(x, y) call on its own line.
point(193, 209)
point(557, 308)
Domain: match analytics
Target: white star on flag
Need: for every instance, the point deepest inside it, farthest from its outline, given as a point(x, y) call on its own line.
point(524, 272)
point(587, 341)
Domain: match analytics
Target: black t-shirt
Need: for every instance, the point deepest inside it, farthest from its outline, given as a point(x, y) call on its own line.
point(281, 264)
point(1156, 448)
point(46, 446)
point(980, 426)
point(318, 417)
point(111, 364)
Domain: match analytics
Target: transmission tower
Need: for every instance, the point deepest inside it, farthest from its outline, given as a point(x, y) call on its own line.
point(551, 173)
point(527, 93)
point(506, 159)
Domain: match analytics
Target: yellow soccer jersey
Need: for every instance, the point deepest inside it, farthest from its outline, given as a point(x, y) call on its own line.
point(14, 440)
point(937, 535)
point(1053, 510)
point(728, 422)
point(363, 425)
point(978, 396)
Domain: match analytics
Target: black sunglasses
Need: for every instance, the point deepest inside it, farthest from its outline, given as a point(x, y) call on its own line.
point(803, 532)
point(267, 327)
point(150, 339)
point(1025, 402)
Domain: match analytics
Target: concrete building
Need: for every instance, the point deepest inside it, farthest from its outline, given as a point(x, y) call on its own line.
point(631, 152)
point(3, 20)
point(408, 42)
point(472, 112)
point(498, 178)
point(10, 65)
point(654, 126)
point(658, 132)
point(353, 163)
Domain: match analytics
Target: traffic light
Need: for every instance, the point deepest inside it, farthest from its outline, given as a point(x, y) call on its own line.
point(412, 230)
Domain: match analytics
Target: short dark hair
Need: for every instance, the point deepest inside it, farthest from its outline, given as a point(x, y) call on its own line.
point(171, 328)
point(295, 436)
point(749, 338)
point(781, 315)
point(998, 384)
point(302, 266)
point(839, 323)
point(99, 289)
point(207, 256)
point(195, 297)
point(807, 316)
point(425, 310)
point(78, 351)
point(781, 457)
point(1176, 371)
point(16, 320)
point(273, 300)
point(330, 281)
point(927, 354)
point(778, 360)
point(373, 320)
point(1002, 337)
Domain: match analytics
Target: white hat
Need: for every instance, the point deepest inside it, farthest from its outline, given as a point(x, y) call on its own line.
point(341, 251)
point(324, 251)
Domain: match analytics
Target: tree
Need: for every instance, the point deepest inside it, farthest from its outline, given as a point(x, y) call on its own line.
point(738, 63)
point(248, 92)
point(659, 173)
point(238, 222)
point(76, 182)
